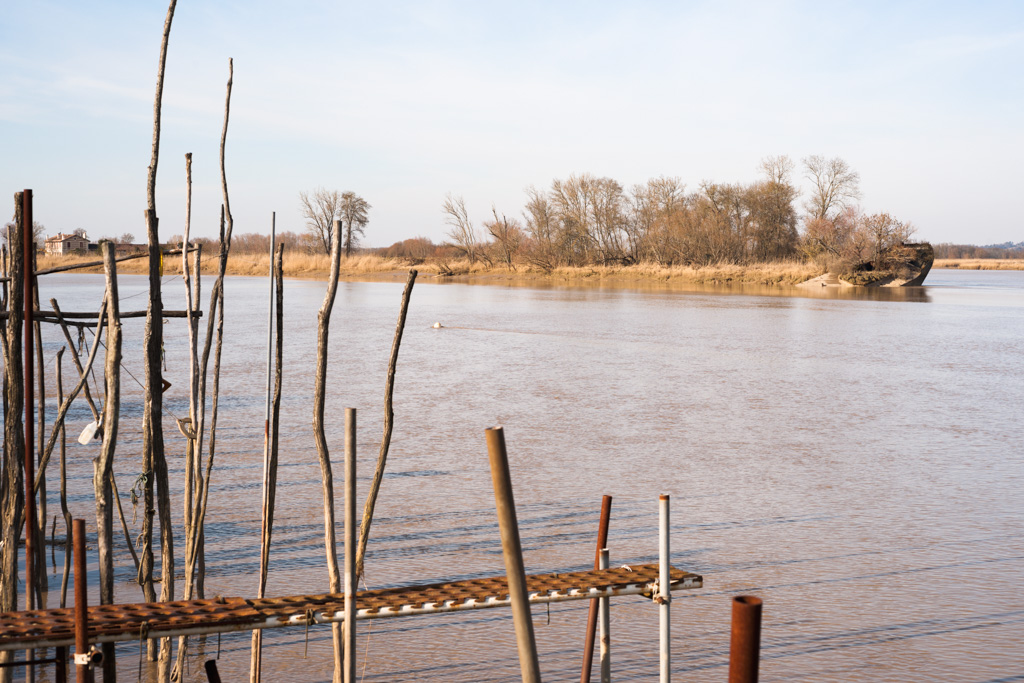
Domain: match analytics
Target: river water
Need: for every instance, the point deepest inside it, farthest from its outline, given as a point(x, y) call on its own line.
point(854, 460)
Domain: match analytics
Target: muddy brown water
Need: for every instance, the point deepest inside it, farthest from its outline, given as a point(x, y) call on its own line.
point(854, 460)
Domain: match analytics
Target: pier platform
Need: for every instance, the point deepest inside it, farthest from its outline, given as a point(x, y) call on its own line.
point(127, 622)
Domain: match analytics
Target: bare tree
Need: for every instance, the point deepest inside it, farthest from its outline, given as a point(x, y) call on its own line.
point(508, 236)
point(320, 211)
point(126, 238)
point(462, 234)
point(885, 232)
point(778, 169)
point(353, 214)
point(835, 185)
point(542, 227)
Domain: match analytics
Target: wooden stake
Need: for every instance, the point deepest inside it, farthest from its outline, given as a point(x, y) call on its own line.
point(389, 419)
point(102, 466)
point(319, 397)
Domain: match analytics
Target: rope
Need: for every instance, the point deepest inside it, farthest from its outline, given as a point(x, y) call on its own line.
point(309, 618)
point(143, 635)
point(140, 484)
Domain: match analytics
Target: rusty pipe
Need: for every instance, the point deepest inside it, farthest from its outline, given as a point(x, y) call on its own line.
point(82, 672)
point(27, 247)
point(212, 675)
point(602, 542)
point(28, 270)
point(744, 650)
point(513, 552)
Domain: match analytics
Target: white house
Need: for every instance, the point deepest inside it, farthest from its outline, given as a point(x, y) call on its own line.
point(61, 244)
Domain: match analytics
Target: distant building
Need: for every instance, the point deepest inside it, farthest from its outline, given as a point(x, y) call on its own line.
point(61, 244)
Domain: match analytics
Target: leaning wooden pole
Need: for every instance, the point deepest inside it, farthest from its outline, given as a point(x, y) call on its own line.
point(512, 549)
point(14, 436)
point(65, 512)
point(319, 398)
point(102, 466)
point(389, 423)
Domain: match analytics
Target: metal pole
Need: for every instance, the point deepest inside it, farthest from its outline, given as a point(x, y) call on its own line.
point(746, 639)
point(606, 626)
point(27, 247)
point(664, 583)
point(270, 364)
point(212, 675)
point(513, 552)
point(82, 672)
point(602, 541)
point(350, 545)
point(28, 269)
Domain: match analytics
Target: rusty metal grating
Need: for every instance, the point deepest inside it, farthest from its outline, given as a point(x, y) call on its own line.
point(113, 623)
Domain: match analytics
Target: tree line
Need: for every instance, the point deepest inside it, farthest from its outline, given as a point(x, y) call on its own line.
point(587, 220)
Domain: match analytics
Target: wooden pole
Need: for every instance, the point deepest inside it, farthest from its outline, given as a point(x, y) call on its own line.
point(14, 436)
point(64, 491)
point(104, 463)
point(513, 552)
point(389, 420)
point(255, 664)
point(319, 434)
point(13, 441)
point(154, 462)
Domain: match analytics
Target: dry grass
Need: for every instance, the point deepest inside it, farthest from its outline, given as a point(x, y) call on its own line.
point(979, 263)
point(372, 267)
point(773, 273)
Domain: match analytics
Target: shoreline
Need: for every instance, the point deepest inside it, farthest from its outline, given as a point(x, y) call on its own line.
point(375, 269)
point(369, 268)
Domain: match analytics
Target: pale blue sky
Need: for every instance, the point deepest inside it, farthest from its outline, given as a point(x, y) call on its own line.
point(405, 102)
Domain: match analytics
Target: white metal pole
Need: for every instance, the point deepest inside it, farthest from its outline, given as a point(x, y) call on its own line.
point(350, 545)
point(604, 618)
point(664, 580)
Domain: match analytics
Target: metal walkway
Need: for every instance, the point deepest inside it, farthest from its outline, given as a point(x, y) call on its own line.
point(115, 623)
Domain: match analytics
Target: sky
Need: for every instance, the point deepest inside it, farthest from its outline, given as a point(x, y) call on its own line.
point(405, 102)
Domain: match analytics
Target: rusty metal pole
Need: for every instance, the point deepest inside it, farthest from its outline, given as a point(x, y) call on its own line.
point(602, 541)
point(606, 626)
point(665, 589)
point(28, 269)
point(513, 552)
point(744, 650)
point(212, 675)
point(82, 672)
point(350, 545)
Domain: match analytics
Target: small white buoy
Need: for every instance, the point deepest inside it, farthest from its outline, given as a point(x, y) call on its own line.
point(438, 326)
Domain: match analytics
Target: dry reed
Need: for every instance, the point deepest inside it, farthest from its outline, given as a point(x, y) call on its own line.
point(979, 263)
point(372, 267)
